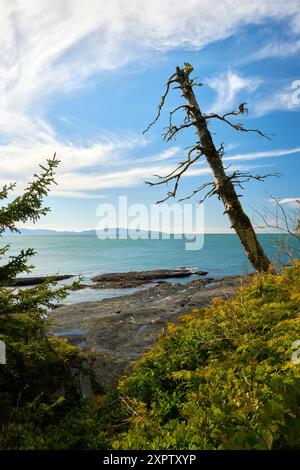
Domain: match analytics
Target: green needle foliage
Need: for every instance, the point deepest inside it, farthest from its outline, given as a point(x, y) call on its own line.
point(36, 386)
point(24, 208)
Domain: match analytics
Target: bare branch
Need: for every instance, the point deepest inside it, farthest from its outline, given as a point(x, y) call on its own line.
point(174, 175)
point(201, 188)
point(239, 177)
point(173, 130)
point(193, 148)
point(187, 117)
point(238, 126)
point(162, 102)
point(221, 151)
point(283, 222)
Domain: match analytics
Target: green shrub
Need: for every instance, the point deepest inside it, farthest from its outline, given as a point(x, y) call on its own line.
point(223, 378)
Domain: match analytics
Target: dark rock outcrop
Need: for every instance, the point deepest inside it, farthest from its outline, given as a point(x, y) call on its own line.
point(34, 281)
point(139, 278)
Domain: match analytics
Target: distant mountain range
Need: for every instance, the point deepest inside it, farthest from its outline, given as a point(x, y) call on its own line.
point(38, 231)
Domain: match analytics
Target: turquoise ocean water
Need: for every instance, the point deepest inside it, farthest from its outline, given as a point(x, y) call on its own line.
point(87, 255)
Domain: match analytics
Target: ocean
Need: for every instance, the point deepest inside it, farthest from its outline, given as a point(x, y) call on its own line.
point(87, 255)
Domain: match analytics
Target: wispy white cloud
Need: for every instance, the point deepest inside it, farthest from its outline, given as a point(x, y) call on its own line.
point(287, 99)
point(73, 182)
point(280, 49)
point(27, 153)
point(165, 155)
point(207, 171)
point(259, 155)
point(50, 48)
point(83, 169)
point(78, 195)
point(228, 87)
point(293, 201)
point(125, 178)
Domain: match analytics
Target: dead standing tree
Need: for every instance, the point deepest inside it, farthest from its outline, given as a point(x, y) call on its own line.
point(223, 184)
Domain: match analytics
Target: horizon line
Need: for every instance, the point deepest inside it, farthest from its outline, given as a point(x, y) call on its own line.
point(209, 231)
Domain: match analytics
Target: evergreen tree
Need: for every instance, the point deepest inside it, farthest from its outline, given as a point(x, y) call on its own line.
point(36, 364)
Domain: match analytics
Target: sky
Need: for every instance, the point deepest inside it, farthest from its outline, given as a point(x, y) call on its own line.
point(83, 79)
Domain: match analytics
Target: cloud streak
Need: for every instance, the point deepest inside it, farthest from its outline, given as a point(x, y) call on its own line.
point(276, 49)
point(293, 201)
point(228, 87)
point(259, 155)
point(286, 99)
point(48, 49)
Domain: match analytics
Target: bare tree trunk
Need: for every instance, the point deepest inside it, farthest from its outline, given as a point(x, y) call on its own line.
point(225, 189)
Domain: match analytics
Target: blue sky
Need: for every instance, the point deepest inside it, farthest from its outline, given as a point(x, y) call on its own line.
point(83, 79)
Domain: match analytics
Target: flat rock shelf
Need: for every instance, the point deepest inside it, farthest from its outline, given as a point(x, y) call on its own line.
point(122, 328)
point(36, 280)
point(139, 278)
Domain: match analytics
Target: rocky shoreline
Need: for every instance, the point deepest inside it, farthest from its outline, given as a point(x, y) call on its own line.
point(36, 280)
point(121, 329)
point(120, 280)
point(140, 278)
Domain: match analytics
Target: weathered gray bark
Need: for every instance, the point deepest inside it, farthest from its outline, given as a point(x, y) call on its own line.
point(223, 184)
point(240, 222)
